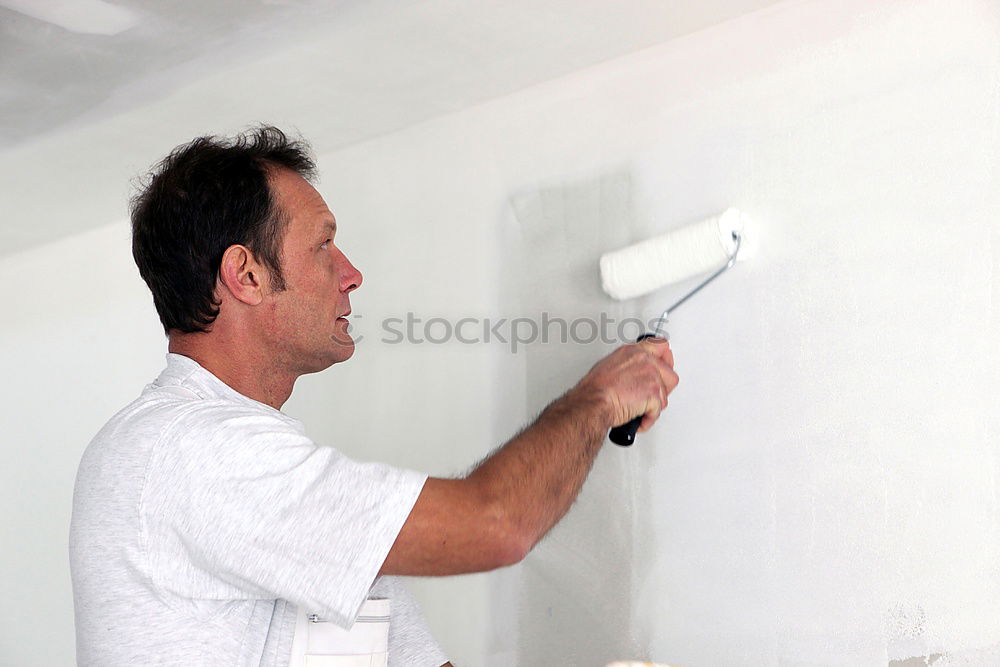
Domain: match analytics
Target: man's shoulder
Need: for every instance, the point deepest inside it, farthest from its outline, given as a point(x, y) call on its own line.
point(163, 437)
point(177, 414)
point(159, 406)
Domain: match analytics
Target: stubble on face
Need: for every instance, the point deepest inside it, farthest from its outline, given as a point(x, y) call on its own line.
point(302, 318)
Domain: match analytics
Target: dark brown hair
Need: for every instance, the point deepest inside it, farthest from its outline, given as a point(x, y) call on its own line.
point(205, 196)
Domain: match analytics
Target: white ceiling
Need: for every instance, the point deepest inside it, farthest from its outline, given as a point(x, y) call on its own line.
point(92, 91)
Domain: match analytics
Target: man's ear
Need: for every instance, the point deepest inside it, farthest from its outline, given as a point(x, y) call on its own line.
point(242, 275)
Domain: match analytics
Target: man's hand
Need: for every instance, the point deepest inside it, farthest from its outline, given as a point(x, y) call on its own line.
point(634, 380)
point(494, 517)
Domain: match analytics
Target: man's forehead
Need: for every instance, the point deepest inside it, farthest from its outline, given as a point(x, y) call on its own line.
point(301, 201)
point(290, 185)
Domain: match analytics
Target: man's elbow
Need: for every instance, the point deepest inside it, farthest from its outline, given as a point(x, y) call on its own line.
point(508, 539)
point(511, 550)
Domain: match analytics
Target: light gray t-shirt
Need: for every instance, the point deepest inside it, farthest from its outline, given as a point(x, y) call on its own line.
point(201, 518)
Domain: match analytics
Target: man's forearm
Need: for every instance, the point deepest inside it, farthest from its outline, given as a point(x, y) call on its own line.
point(495, 515)
point(536, 476)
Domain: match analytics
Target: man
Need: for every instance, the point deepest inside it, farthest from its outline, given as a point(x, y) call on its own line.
point(208, 529)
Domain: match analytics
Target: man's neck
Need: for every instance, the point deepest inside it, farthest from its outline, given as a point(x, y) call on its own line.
point(237, 366)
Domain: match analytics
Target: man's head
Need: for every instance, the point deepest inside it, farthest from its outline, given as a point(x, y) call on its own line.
point(205, 196)
point(220, 232)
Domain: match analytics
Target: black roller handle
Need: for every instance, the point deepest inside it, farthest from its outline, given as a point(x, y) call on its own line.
point(624, 435)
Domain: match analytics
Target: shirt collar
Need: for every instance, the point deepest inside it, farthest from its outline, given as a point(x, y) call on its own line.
point(186, 372)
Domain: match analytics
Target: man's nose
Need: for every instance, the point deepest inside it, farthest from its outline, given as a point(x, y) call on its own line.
point(350, 277)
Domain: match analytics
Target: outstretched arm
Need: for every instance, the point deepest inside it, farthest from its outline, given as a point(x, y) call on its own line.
point(495, 515)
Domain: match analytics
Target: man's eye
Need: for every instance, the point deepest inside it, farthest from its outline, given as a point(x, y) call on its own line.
point(325, 243)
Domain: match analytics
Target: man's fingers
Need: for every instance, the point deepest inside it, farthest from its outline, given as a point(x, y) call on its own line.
point(659, 348)
point(667, 380)
point(649, 418)
point(667, 375)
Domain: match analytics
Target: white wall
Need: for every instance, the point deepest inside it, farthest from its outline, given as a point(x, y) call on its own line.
point(822, 489)
point(80, 338)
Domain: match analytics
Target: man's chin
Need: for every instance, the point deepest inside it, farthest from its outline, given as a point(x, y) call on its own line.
point(343, 350)
point(321, 362)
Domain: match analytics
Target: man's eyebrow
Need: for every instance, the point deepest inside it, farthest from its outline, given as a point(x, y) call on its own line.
point(330, 226)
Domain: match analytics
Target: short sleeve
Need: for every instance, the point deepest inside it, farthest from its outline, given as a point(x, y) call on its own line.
point(410, 641)
point(242, 505)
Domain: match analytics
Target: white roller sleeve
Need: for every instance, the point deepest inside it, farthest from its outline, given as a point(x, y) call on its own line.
point(677, 255)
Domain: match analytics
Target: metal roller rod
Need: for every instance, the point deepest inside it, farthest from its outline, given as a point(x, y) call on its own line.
point(732, 260)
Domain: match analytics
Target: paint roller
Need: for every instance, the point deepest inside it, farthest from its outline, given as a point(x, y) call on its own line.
point(708, 245)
